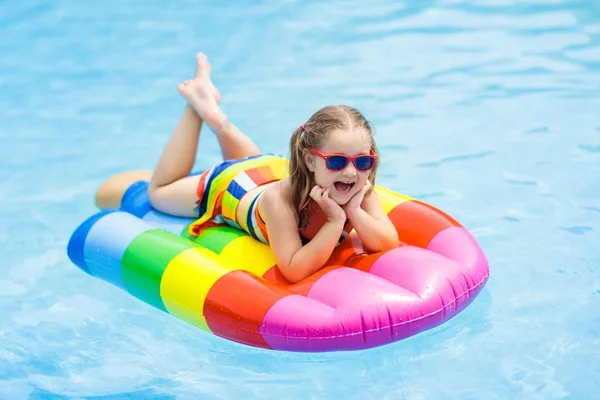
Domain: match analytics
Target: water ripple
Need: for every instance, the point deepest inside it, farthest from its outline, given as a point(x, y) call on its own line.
point(450, 159)
point(577, 230)
point(590, 148)
point(487, 109)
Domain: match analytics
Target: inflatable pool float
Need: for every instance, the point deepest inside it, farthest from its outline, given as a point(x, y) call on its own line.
point(227, 283)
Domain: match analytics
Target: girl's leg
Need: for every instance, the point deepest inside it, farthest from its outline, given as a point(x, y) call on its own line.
point(204, 98)
point(177, 160)
point(171, 189)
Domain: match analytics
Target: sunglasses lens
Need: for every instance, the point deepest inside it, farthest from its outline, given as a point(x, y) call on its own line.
point(337, 162)
point(364, 163)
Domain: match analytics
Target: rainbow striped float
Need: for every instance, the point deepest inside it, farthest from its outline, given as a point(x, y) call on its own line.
point(227, 283)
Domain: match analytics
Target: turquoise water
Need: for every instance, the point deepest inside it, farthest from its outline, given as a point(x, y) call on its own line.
point(487, 109)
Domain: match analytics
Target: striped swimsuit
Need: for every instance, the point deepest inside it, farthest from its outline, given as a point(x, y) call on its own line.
point(221, 188)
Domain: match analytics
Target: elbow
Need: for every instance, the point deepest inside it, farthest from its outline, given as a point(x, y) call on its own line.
point(292, 275)
point(391, 242)
point(289, 276)
point(394, 241)
point(292, 279)
point(385, 244)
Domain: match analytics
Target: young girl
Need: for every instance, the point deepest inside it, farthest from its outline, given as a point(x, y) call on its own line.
point(303, 214)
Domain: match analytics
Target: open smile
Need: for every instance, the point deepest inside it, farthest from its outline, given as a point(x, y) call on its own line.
point(343, 186)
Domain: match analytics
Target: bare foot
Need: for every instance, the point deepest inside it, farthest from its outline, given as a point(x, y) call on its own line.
point(203, 96)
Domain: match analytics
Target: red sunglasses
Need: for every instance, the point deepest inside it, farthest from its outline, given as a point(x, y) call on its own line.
point(337, 162)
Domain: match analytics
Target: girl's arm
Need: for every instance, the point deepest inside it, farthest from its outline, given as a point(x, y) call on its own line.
point(373, 226)
point(294, 260)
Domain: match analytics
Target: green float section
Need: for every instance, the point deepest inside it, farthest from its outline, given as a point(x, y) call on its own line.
point(215, 238)
point(145, 260)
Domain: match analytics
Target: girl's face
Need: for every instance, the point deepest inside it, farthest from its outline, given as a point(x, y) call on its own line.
point(346, 182)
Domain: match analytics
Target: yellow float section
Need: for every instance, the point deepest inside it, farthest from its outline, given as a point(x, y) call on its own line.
point(190, 275)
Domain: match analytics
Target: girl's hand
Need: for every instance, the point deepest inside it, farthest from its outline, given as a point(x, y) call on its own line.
point(355, 202)
point(332, 210)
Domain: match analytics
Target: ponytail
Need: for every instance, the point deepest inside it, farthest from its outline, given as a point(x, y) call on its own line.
point(301, 178)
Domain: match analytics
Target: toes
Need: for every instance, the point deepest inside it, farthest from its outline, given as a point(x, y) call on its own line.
point(183, 86)
point(202, 65)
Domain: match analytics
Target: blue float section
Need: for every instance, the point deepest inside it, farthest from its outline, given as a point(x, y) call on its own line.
point(136, 202)
point(106, 243)
point(77, 241)
point(98, 244)
point(135, 199)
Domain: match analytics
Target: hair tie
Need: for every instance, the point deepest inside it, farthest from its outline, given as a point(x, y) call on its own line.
point(302, 127)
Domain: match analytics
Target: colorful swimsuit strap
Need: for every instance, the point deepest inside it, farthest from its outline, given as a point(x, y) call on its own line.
point(254, 221)
point(222, 187)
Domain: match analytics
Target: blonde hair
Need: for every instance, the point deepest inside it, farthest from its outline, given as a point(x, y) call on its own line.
point(314, 133)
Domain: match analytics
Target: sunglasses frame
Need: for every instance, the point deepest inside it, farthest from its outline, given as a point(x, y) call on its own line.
point(348, 158)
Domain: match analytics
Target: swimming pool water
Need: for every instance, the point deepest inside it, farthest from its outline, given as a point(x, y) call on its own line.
point(488, 109)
